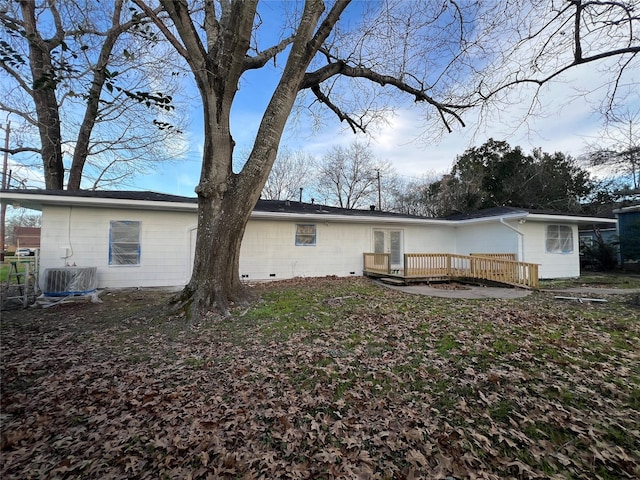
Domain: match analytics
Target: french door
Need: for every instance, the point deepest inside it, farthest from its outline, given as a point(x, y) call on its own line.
point(389, 241)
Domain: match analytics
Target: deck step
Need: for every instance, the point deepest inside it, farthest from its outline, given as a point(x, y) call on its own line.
point(393, 281)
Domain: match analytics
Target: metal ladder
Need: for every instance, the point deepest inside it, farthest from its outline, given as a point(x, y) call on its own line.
point(20, 285)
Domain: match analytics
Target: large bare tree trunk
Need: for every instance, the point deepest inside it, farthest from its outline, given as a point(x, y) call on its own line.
point(215, 283)
point(226, 199)
point(44, 96)
point(223, 211)
point(81, 151)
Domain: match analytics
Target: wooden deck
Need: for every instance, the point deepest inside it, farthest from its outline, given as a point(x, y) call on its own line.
point(501, 268)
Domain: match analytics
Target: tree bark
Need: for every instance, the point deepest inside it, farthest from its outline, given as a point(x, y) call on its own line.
point(215, 283)
point(44, 96)
point(81, 150)
point(226, 199)
point(223, 211)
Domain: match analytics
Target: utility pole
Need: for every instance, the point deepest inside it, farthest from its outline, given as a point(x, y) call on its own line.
point(3, 210)
point(379, 190)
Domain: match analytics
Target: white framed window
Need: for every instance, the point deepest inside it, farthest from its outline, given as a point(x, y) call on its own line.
point(305, 234)
point(124, 242)
point(586, 241)
point(559, 239)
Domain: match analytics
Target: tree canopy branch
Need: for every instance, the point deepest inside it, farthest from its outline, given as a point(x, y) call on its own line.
point(184, 52)
point(15, 151)
point(327, 25)
point(541, 81)
point(355, 126)
point(261, 59)
point(342, 68)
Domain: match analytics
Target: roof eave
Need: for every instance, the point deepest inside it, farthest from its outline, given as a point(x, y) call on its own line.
point(332, 217)
point(540, 217)
point(36, 201)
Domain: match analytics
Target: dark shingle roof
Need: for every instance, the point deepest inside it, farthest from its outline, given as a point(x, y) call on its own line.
point(118, 194)
point(276, 206)
point(290, 206)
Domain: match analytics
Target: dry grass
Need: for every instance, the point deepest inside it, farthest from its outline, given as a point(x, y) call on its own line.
point(324, 378)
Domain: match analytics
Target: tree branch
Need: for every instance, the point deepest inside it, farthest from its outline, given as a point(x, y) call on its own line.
point(577, 55)
point(327, 25)
point(541, 81)
point(341, 68)
point(355, 126)
point(17, 77)
point(14, 151)
point(165, 31)
point(6, 108)
point(261, 59)
point(58, 38)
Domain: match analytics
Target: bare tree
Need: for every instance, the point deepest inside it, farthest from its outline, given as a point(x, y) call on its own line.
point(619, 147)
point(291, 172)
point(418, 196)
point(446, 56)
point(20, 218)
point(81, 73)
point(348, 177)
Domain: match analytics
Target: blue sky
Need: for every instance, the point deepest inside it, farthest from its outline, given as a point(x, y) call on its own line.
point(564, 125)
point(564, 121)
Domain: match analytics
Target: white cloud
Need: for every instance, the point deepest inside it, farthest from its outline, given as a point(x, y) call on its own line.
point(563, 119)
point(24, 176)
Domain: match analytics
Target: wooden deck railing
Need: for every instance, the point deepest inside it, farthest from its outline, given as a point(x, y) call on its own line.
point(377, 263)
point(446, 265)
point(499, 256)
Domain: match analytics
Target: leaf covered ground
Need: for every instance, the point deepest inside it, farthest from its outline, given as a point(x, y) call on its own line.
point(324, 379)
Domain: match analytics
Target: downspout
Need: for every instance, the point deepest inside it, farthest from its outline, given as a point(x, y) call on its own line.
point(521, 253)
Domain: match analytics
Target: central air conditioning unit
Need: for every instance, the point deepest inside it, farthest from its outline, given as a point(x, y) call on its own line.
point(62, 282)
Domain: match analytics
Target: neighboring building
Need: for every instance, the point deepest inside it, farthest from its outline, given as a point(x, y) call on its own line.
point(629, 236)
point(145, 239)
point(589, 235)
point(593, 255)
point(26, 237)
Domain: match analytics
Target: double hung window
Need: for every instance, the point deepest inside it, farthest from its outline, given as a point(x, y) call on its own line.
point(305, 235)
point(124, 242)
point(559, 239)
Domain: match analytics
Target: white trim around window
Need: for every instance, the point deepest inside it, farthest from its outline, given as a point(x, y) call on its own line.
point(559, 239)
point(124, 242)
point(306, 235)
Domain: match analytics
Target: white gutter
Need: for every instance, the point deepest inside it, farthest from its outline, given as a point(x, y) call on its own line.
point(512, 216)
point(521, 247)
point(568, 219)
point(332, 217)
